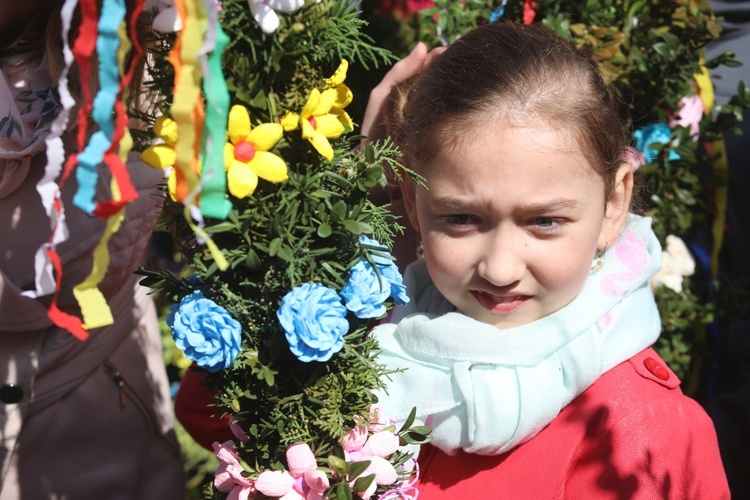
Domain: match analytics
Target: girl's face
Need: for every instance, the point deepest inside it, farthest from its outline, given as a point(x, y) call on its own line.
point(511, 220)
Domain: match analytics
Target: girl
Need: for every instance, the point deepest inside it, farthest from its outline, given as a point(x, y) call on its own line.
point(527, 337)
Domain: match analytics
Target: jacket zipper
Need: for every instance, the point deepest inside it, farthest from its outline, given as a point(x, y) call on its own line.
point(127, 394)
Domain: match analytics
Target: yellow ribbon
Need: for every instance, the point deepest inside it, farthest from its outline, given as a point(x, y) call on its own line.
point(94, 308)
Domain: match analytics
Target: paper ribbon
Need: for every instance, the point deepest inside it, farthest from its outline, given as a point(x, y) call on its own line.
point(187, 111)
point(717, 161)
point(186, 107)
point(93, 305)
point(213, 201)
point(83, 49)
point(47, 186)
point(103, 141)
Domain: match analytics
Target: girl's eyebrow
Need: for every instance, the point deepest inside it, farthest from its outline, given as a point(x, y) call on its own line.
point(554, 205)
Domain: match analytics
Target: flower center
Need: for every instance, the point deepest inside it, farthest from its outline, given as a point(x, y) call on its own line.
point(244, 151)
point(313, 122)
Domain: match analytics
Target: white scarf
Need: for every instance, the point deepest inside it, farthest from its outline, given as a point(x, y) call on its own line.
point(28, 104)
point(485, 390)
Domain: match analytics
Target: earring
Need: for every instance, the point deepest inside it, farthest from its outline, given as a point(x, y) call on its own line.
point(420, 250)
point(598, 262)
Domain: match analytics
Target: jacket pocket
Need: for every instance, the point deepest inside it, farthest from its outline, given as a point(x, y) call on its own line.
point(129, 396)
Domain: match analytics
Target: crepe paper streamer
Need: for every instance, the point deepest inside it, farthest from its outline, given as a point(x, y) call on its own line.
point(705, 87)
point(717, 153)
point(187, 111)
point(529, 11)
point(203, 237)
point(60, 318)
point(83, 51)
point(44, 280)
point(92, 303)
point(107, 45)
point(94, 309)
point(115, 162)
point(186, 107)
point(717, 161)
point(213, 201)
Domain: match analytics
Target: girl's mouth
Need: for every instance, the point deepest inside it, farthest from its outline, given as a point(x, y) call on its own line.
point(500, 304)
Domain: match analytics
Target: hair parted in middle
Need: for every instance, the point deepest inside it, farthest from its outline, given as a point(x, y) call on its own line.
point(524, 74)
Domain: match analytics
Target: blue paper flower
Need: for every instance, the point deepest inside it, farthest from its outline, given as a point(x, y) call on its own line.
point(314, 322)
point(659, 133)
point(366, 292)
point(388, 270)
point(205, 331)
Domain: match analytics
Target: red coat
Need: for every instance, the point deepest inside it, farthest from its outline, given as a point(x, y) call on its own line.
point(631, 435)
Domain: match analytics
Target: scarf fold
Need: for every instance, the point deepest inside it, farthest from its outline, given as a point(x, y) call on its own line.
point(485, 390)
point(28, 104)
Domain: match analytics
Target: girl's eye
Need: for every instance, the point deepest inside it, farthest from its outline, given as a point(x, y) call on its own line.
point(548, 223)
point(544, 222)
point(456, 219)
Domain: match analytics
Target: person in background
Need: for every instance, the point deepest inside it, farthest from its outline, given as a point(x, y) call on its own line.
point(728, 384)
point(88, 419)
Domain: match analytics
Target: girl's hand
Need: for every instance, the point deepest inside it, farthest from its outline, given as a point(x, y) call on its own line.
point(373, 126)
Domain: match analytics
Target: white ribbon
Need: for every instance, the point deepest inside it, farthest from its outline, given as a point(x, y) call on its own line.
point(47, 186)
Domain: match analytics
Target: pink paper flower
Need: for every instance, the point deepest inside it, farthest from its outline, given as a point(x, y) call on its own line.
point(234, 426)
point(302, 481)
point(689, 114)
point(229, 477)
point(633, 157)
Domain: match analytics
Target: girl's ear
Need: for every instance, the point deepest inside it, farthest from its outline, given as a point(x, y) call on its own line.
point(617, 207)
point(409, 193)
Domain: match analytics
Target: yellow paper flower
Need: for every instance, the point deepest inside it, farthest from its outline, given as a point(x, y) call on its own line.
point(290, 121)
point(247, 156)
point(318, 123)
point(344, 95)
point(172, 181)
point(339, 75)
point(162, 155)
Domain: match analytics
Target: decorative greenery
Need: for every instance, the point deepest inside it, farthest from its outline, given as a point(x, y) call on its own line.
point(301, 231)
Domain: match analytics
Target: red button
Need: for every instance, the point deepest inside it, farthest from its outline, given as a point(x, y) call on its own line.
point(656, 368)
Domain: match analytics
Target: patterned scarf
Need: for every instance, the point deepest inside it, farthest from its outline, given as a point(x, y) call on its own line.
point(28, 104)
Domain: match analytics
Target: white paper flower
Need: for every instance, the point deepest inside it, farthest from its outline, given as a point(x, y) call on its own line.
point(168, 19)
point(264, 12)
point(676, 263)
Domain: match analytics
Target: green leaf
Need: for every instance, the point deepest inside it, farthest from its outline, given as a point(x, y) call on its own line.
point(285, 253)
point(356, 227)
point(222, 227)
point(336, 463)
point(341, 492)
point(274, 246)
point(362, 483)
point(370, 153)
point(339, 209)
point(324, 230)
point(355, 469)
point(409, 420)
point(252, 260)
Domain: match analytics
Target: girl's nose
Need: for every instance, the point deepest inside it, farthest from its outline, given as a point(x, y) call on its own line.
point(502, 263)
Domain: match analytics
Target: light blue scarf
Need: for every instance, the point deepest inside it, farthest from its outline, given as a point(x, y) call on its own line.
point(487, 390)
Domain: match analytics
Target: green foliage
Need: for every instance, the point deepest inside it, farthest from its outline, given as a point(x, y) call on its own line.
point(302, 230)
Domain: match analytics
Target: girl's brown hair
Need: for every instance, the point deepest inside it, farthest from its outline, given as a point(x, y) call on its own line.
point(523, 73)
